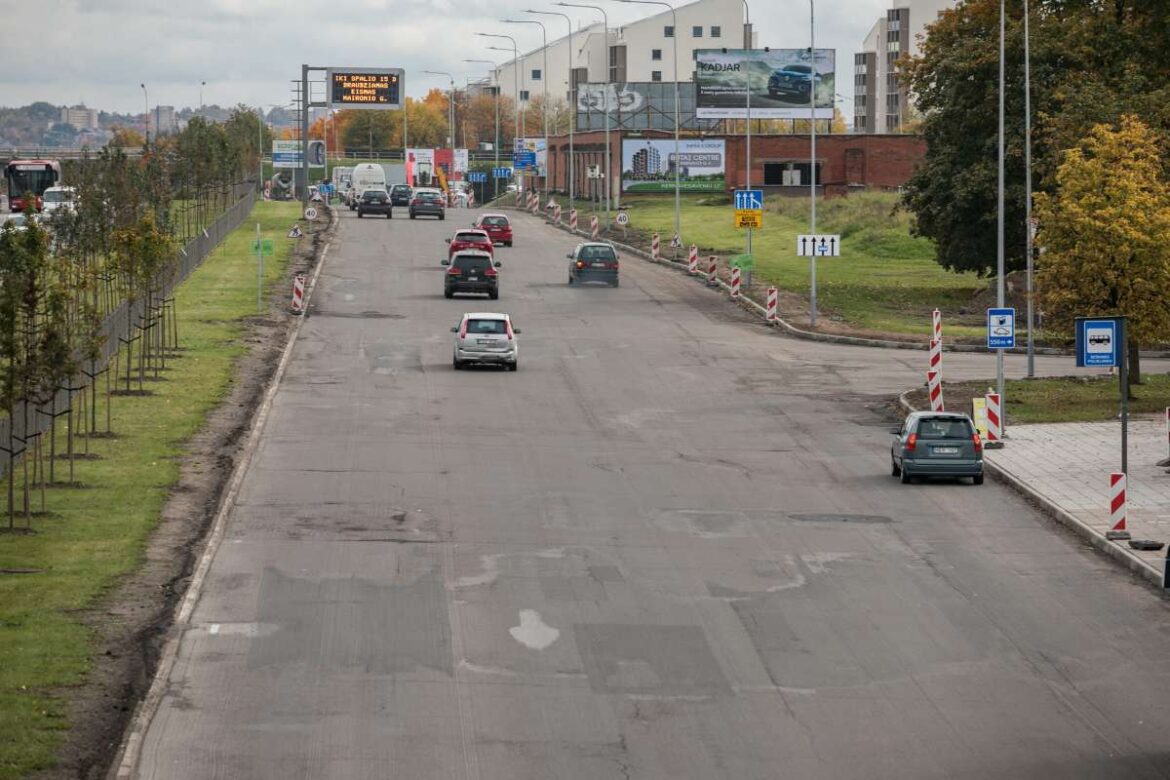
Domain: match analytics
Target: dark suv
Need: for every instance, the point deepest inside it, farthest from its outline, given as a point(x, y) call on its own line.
point(375, 202)
point(792, 80)
point(471, 271)
point(400, 195)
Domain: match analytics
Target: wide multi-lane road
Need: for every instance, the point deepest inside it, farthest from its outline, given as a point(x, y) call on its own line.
point(668, 547)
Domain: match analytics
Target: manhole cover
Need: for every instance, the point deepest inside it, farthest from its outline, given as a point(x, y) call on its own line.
point(831, 518)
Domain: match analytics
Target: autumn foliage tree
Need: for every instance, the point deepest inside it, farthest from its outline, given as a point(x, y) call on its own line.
point(1106, 235)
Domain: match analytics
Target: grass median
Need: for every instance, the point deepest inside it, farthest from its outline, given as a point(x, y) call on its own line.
point(97, 532)
point(885, 281)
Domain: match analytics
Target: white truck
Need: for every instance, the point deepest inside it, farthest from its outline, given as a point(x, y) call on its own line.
point(365, 176)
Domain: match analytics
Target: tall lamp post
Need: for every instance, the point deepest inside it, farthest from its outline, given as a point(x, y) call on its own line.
point(1028, 192)
point(747, 26)
point(496, 140)
point(202, 84)
point(450, 102)
point(544, 87)
point(515, 75)
point(677, 122)
point(146, 115)
point(608, 81)
point(999, 241)
point(572, 174)
point(812, 157)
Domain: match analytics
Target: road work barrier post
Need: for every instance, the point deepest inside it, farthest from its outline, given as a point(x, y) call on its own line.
point(298, 294)
point(936, 325)
point(713, 271)
point(1117, 506)
point(934, 388)
point(773, 305)
point(935, 355)
point(994, 423)
point(655, 245)
point(693, 259)
point(594, 227)
point(557, 213)
point(573, 220)
point(736, 277)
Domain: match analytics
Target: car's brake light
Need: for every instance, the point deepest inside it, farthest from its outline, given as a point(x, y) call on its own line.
point(491, 272)
point(453, 271)
point(463, 329)
point(978, 442)
point(613, 266)
point(911, 442)
point(580, 264)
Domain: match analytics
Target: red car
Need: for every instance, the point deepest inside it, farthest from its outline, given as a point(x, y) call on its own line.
point(473, 238)
point(497, 226)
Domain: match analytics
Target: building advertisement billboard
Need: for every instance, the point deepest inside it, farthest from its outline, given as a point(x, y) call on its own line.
point(462, 160)
point(420, 168)
point(286, 154)
point(538, 147)
point(648, 164)
point(778, 81)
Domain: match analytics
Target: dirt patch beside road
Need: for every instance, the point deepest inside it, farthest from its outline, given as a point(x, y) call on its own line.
point(130, 624)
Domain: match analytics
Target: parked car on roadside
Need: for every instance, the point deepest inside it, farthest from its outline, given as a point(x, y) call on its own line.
point(486, 337)
point(471, 271)
point(936, 444)
point(375, 202)
point(498, 226)
point(594, 262)
point(428, 202)
point(469, 239)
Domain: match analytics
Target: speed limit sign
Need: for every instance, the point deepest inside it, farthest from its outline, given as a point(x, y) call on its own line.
point(622, 218)
point(310, 213)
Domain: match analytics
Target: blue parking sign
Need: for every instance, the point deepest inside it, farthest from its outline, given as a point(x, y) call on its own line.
point(1001, 328)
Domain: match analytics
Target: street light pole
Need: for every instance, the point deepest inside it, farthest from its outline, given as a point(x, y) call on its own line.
point(677, 122)
point(146, 115)
point(747, 15)
point(608, 81)
point(515, 75)
point(496, 140)
point(812, 159)
point(999, 239)
point(1028, 191)
point(572, 173)
point(202, 84)
point(450, 103)
point(544, 87)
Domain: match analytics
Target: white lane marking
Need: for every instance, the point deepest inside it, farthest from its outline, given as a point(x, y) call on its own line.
point(533, 632)
point(491, 567)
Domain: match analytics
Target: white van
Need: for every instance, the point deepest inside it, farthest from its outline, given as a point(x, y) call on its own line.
point(365, 176)
point(55, 198)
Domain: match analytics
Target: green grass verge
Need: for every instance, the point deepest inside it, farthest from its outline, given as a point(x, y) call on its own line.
point(97, 534)
point(1062, 399)
point(885, 280)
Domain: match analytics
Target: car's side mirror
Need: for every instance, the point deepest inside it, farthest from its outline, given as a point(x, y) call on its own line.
point(517, 331)
point(455, 329)
point(444, 262)
point(499, 265)
point(446, 240)
point(569, 256)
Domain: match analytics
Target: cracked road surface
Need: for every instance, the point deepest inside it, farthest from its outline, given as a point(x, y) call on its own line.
point(668, 547)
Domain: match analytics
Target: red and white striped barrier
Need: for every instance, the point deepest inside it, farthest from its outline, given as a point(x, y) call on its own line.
point(471, 199)
point(655, 245)
point(557, 213)
point(1117, 508)
point(1168, 427)
point(994, 420)
point(936, 355)
point(693, 261)
point(773, 308)
point(736, 276)
point(298, 296)
point(936, 325)
point(535, 203)
point(594, 227)
point(713, 271)
point(573, 220)
point(934, 387)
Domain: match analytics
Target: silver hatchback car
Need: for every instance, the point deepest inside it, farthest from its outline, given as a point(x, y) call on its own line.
point(937, 444)
point(486, 337)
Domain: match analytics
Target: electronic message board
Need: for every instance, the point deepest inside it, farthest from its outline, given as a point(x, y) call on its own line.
point(378, 88)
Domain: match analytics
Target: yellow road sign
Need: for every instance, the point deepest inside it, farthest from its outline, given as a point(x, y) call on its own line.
point(749, 218)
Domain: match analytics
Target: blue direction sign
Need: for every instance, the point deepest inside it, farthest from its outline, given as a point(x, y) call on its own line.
point(1098, 342)
point(524, 159)
point(1001, 328)
point(501, 173)
point(477, 177)
point(749, 199)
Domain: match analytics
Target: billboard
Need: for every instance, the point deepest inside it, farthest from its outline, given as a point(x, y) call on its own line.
point(364, 88)
point(636, 105)
point(420, 168)
point(538, 148)
point(778, 81)
point(286, 154)
point(648, 164)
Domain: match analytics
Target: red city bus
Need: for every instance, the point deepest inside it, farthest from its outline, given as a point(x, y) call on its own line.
point(25, 176)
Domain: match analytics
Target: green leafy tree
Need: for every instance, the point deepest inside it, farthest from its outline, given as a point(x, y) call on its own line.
point(1106, 235)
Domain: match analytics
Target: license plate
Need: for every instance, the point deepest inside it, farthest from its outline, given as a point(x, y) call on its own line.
point(599, 265)
point(473, 278)
point(945, 450)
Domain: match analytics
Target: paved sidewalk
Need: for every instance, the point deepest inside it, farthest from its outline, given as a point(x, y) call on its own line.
point(1067, 466)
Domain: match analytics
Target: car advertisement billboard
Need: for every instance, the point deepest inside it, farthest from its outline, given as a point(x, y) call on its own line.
point(648, 164)
point(778, 81)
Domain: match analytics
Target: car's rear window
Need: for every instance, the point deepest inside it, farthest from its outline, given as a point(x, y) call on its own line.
point(374, 196)
point(486, 326)
point(944, 428)
point(496, 221)
point(597, 253)
point(473, 262)
point(478, 238)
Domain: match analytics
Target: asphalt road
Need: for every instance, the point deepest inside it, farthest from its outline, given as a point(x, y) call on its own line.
point(669, 546)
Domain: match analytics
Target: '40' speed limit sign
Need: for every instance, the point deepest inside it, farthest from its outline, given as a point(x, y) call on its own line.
point(310, 213)
point(622, 218)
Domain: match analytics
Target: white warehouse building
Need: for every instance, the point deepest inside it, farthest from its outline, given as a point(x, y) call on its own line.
point(635, 52)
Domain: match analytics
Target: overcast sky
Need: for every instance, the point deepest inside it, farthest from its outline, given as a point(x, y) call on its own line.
point(248, 51)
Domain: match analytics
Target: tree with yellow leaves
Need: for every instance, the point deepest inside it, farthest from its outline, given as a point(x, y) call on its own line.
point(1106, 235)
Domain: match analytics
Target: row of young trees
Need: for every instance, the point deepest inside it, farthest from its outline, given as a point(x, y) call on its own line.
point(1100, 90)
point(86, 293)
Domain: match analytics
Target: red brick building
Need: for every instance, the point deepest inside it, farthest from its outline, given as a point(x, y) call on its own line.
point(780, 163)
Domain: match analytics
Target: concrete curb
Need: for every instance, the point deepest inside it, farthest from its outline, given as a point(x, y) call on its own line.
point(1089, 534)
point(126, 762)
point(829, 338)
